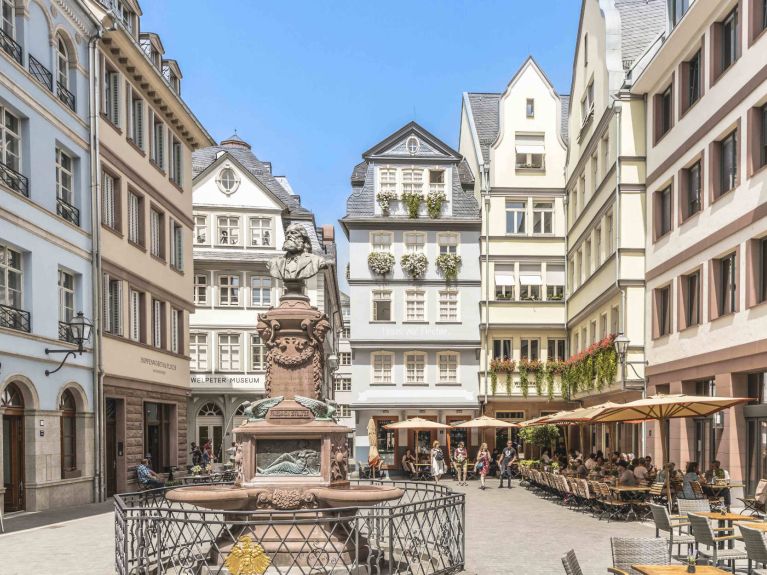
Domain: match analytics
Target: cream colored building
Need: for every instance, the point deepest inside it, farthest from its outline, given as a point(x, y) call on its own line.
point(706, 228)
point(605, 181)
point(146, 135)
point(516, 145)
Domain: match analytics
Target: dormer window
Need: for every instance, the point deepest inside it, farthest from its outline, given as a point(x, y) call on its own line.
point(436, 180)
point(227, 181)
point(126, 16)
point(413, 145)
point(530, 151)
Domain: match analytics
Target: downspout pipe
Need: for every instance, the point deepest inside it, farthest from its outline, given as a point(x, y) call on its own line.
point(486, 324)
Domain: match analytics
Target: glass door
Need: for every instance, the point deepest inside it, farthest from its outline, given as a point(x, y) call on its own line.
point(757, 453)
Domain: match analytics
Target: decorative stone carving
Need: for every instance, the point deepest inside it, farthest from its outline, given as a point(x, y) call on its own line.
point(339, 460)
point(288, 457)
point(298, 263)
point(239, 473)
point(287, 499)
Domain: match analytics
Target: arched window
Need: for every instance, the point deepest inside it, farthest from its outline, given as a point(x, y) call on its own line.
point(11, 399)
point(228, 181)
point(68, 432)
point(209, 409)
point(240, 410)
point(62, 59)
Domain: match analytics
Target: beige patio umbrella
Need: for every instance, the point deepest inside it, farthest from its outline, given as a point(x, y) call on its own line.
point(661, 408)
point(373, 440)
point(485, 422)
point(579, 417)
point(419, 424)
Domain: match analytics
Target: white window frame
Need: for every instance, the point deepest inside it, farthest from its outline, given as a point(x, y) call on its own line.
point(65, 176)
point(382, 371)
point(437, 186)
point(342, 383)
point(543, 214)
point(443, 375)
point(201, 289)
point(260, 235)
point(155, 232)
point(111, 305)
point(449, 300)
point(387, 179)
point(109, 197)
point(415, 367)
point(157, 323)
point(198, 351)
point(134, 303)
point(229, 286)
point(231, 343)
point(175, 329)
point(158, 143)
point(201, 229)
point(112, 95)
point(375, 297)
point(66, 295)
point(229, 225)
point(260, 285)
point(415, 242)
point(134, 217)
point(412, 180)
point(415, 302)
point(519, 227)
point(224, 183)
point(177, 246)
point(137, 122)
point(345, 358)
point(176, 162)
point(448, 242)
point(530, 341)
point(257, 353)
point(381, 241)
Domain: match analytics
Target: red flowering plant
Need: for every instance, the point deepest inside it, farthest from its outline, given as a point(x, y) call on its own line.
point(501, 365)
point(594, 366)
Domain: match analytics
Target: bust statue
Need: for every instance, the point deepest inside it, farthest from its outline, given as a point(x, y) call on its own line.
point(298, 263)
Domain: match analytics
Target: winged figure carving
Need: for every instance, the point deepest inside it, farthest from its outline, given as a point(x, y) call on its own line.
point(322, 411)
point(258, 409)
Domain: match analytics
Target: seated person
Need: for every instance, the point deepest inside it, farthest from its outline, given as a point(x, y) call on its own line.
point(717, 475)
point(545, 459)
point(408, 463)
point(625, 475)
point(580, 469)
point(591, 462)
point(146, 477)
point(691, 475)
point(649, 465)
point(640, 470)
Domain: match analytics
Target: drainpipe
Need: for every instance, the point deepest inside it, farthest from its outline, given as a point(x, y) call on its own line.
point(96, 280)
point(486, 199)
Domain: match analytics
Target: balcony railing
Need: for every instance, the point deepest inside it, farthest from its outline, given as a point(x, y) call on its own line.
point(65, 332)
point(11, 46)
point(40, 72)
point(65, 96)
point(68, 211)
point(14, 318)
point(14, 180)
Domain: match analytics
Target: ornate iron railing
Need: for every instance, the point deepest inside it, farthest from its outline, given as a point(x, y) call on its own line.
point(65, 332)
point(421, 534)
point(14, 180)
point(67, 211)
point(65, 96)
point(11, 46)
point(14, 318)
point(40, 72)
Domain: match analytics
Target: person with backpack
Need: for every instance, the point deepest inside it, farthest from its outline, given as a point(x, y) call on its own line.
point(507, 458)
point(437, 461)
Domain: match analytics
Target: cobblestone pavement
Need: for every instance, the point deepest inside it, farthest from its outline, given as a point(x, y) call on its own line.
point(509, 532)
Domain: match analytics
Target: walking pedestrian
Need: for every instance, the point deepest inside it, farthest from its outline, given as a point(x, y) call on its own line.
point(196, 454)
point(483, 464)
point(437, 461)
point(507, 458)
point(460, 463)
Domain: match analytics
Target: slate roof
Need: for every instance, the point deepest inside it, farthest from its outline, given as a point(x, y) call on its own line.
point(565, 100)
point(642, 21)
point(484, 109)
point(240, 151)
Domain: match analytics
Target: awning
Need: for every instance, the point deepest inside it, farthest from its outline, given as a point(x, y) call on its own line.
point(530, 149)
point(530, 280)
point(504, 279)
point(555, 277)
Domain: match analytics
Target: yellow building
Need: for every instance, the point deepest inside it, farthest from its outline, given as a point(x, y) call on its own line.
point(146, 135)
point(516, 145)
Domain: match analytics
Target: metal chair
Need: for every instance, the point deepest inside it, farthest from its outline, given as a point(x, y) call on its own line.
point(570, 562)
point(708, 542)
point(686, 506)
point(756, 505)
point(664, 522)
point(628, 551)
point(756, 549)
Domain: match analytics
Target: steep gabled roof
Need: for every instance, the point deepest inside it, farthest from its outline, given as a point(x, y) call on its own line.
point(484, 109)
point(240, 150)
point(433, 141)
point(642, 21)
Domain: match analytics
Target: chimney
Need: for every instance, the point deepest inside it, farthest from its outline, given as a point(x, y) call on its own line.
point(328, 233)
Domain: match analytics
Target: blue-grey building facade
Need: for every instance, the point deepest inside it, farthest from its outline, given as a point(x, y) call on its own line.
point(413, 327)
point(47, 453)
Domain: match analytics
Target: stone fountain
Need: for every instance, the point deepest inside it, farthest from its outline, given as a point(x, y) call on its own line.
point(291, 454)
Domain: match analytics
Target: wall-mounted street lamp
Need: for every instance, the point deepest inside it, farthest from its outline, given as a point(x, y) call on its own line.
point(621, 344)
point(333, 362)
point(79, 331)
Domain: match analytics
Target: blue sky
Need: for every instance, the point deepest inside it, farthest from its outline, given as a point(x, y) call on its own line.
point(313, 84)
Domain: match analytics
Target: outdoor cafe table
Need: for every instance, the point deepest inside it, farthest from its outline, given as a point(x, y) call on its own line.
point(677, 570)
point(629, 488)
point(761, 526)
point(725, 518)
point(717, 488)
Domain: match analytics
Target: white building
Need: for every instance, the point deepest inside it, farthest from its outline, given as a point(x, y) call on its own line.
point(47, 454)
point(342, 382)
point(414, 336)
point(240, 214)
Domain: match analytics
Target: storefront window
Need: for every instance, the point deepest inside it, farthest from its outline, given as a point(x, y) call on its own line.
point(157, 435)
point(387, 441)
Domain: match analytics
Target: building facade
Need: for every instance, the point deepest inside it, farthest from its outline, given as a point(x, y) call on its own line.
point(516, 144)
point(706, 214)
point(342, 382)
point(146, 135)
point(413, 226)
point(47, 453)
point(605, 182)
point(241, 212)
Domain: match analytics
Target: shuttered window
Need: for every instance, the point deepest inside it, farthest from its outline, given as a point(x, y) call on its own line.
point(134, 219)
point(109, 212)
point(135, 315)
point(112, 96)
point(155, 233)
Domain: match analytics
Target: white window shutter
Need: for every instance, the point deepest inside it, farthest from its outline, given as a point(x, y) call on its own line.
point(139, 112)
point(105, 306)
point(115, 95)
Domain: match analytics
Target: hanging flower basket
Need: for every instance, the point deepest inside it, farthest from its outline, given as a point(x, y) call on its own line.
point(449, 264)
point(414, 264)
point(434, 201)
point(505, 366)
point(381, 263)
point(595, 366)
point(526, 368)
point(412, 201)
point(385, 199)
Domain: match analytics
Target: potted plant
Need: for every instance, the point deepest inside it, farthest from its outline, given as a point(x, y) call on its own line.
point(448, 264)
point(412, 201)
point(505, 366)
point(196, 470)
point(434, 201)
point(414, 264)
point(381, 263)
point(384, 199)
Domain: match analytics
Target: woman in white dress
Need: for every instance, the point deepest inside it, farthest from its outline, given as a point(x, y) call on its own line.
point(437, 461)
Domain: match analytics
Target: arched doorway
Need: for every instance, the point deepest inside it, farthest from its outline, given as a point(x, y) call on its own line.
point(210, 426)
point(12, 403)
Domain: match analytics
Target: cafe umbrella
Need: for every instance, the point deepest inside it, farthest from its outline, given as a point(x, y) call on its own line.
point(661, 408)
